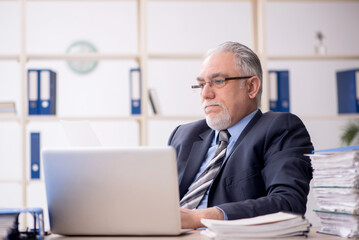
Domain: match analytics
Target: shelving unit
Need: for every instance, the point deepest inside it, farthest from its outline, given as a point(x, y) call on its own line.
point(144, 57)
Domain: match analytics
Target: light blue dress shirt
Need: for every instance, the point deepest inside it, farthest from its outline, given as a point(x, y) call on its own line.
point(235, 132)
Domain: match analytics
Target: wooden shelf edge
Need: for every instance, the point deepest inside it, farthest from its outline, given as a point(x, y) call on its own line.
point(195, 56)
point(173, 118)
point(15, 57)
point(79, 0)
point(83, 118)
point(313, 57)
point(32, 181)
point(353, 116)
point(3, 181)
point(82, 56)
point(9, 118)
point(199, 0)
point(312, 1)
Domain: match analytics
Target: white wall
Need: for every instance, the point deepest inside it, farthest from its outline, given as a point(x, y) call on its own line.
point(173, 27)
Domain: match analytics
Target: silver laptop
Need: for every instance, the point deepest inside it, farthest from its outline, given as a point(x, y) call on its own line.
point(112, 191)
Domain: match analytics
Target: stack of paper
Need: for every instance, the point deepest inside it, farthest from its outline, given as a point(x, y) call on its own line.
point(339, 223)
point(336, 189)
point(274, 225)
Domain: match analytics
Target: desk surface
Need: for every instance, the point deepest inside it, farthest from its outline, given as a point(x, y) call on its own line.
point(192, 235)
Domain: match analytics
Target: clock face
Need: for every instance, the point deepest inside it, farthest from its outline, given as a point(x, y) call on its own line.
point(82, 66)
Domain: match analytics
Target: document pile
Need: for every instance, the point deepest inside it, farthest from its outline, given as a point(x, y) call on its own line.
point(276, 225)
point(336, 190)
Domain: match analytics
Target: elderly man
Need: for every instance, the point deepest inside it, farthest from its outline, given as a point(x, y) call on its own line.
point(239, 162)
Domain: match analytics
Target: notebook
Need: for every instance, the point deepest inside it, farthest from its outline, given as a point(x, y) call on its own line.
point(112, 191)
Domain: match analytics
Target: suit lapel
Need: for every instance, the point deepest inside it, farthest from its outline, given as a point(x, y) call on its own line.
point(195, 159)
point(249, 126)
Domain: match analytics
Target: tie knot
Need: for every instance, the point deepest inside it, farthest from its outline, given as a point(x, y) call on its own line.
point(224, 135)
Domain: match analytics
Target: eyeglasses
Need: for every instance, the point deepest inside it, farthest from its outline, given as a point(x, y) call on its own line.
point(218, 83)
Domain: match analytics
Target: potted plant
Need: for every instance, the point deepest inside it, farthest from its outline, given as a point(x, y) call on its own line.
point(350, 134)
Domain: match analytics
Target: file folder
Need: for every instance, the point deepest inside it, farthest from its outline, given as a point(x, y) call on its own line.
point(348, 91)
point(273, 92)
point(279, 99)
point(135, 92)
point(33, 91)
point(47, 80)
point(42, 91)
point(35, 155)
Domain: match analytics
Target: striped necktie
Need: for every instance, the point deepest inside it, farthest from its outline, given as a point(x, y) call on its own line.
point(197, 190)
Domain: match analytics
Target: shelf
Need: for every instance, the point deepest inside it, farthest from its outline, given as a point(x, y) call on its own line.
point(303, 117)
point(36, 181)
point(9, 118)
point(44, 118)
point(78, 0)
point(9, 57)
point(331, 117)
point(175, 117)
point(314, 57)
point(312, 1)
point(200, 0)
point(104, 56)
point(11, 181)
point(175, 56)
point(82, 56)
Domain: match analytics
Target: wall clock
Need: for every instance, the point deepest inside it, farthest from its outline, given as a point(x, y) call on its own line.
point(82, 66)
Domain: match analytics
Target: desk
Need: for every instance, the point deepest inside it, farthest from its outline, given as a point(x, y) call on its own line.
point(192, 235)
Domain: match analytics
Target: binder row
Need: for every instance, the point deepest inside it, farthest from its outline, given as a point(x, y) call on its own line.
point(42, 91)
point(347, 90)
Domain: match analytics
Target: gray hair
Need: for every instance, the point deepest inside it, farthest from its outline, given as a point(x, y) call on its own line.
point(247, 61)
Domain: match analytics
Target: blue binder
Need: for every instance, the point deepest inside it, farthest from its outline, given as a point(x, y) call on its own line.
point(33, 91)
point(35, 155)
point(135, 90)
point(47, 82)
point(348, 91)
point(279, 99)
point(42, 91)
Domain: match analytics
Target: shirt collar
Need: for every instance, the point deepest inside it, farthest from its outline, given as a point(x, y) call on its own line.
point(237, 128)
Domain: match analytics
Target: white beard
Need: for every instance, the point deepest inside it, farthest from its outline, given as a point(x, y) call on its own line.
point(218, 121)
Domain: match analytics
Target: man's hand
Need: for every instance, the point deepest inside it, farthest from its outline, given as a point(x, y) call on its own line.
point(192, 218)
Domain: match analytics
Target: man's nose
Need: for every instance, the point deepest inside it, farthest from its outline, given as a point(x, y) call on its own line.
point(207, 91)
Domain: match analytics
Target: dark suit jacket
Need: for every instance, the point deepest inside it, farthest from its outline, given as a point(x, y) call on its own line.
point(265, 172)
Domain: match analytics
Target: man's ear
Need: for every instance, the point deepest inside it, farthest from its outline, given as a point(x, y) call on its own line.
point(253, 86)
